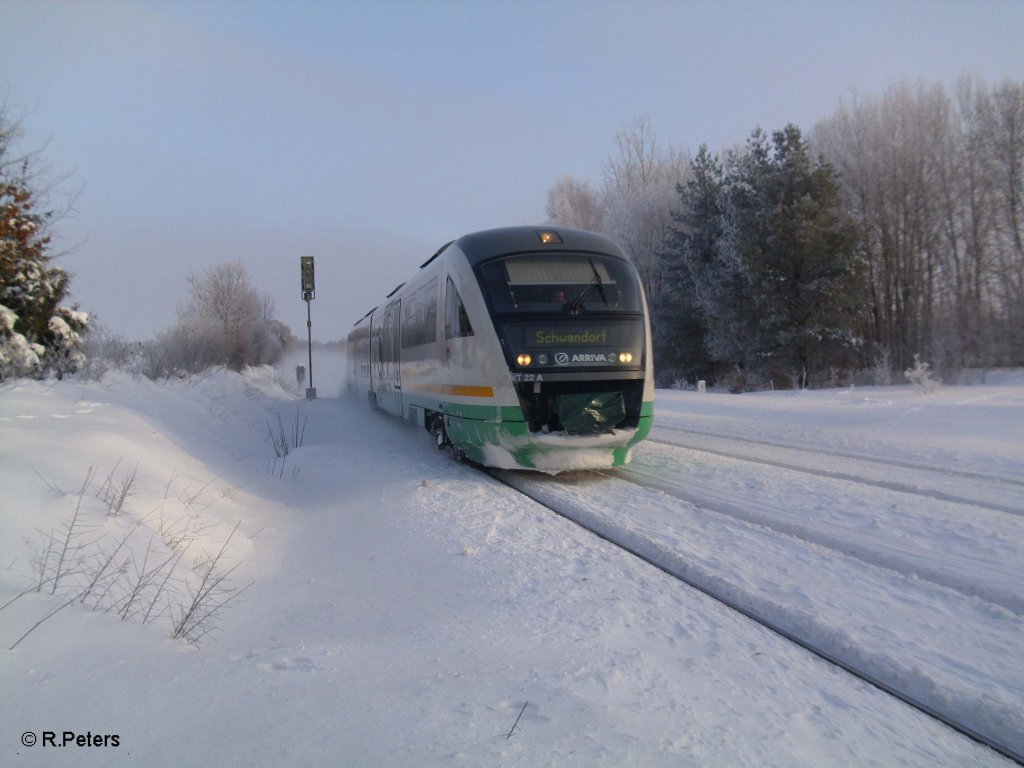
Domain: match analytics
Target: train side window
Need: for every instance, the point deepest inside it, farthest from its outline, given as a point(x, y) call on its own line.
point(419, 316)
point(456, 320)
point(430, 312)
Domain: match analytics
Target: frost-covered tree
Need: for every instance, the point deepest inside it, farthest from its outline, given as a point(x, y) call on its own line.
point(691, 284)
point(37, 334)
point(934, 185)
point(223, 294)
point(640, 181)
point(636, 202)
point(805, 265)
point(762, 273)
point(574, 203)
point(225, 321)
point(1003, 129)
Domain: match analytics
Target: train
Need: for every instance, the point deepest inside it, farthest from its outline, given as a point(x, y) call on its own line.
point(516, 348)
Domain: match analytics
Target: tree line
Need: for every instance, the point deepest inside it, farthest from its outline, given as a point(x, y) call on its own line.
point(889, 235)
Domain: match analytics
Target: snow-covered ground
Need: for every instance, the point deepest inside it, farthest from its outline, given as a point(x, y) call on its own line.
point(401, 609)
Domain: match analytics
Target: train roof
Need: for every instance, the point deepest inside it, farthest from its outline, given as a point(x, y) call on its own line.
point(491, 243)
point(480, 246)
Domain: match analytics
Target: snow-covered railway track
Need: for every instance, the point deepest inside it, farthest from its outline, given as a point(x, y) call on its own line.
point(690, 432)
point(991, 491)
point(782, 594)
point(885, 536)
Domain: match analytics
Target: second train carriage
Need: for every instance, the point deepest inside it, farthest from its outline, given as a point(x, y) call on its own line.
point(518, 348)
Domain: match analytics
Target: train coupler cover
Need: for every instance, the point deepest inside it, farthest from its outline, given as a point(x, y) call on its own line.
point(590, 413)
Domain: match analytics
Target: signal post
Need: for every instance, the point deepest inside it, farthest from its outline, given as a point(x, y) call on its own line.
point(308, 294)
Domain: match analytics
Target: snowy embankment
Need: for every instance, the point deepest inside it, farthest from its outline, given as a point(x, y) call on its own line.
point(388, 606)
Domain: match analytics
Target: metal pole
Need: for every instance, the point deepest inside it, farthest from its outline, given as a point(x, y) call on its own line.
point(310, 390)
point(308, 294)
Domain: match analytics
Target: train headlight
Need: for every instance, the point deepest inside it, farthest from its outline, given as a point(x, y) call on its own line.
point(625, 357)
point(524, 360)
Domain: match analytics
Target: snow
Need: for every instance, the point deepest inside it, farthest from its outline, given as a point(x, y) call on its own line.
point(401, 609)
point(7, 319)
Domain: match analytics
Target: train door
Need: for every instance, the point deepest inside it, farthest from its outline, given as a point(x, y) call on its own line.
point(390, 392)
point(457, 328)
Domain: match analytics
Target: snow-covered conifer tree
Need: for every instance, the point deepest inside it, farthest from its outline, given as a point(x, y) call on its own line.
point(681, 319)
point(762, 272)
point(37, 334)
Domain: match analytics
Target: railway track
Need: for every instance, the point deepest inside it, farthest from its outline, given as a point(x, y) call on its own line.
point(987, 490)
point(562, 496)
point(912, 553)
point(837, 453)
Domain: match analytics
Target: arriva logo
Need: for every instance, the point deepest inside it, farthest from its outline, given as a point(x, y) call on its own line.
point(563, 358)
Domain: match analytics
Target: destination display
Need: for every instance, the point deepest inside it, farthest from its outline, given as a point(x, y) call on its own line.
point(615, 343)
point(541, 337)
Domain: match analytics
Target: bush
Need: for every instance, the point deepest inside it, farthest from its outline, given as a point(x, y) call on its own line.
point(921, 377)
point(226, 322)
point(137, 571)
point(18, 356)
point(191, 346)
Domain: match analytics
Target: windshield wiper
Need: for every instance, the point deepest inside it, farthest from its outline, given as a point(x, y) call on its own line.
point(574, 307)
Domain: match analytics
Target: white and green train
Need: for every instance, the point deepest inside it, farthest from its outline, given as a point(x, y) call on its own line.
point(516, 348)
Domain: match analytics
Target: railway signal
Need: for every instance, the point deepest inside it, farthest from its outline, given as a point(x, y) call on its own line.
point(308, 294)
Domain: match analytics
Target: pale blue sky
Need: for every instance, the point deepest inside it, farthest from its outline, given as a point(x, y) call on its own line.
point(367, 133)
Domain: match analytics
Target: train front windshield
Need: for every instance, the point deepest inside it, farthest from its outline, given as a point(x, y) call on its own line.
point(569, 284)
point(565, 314)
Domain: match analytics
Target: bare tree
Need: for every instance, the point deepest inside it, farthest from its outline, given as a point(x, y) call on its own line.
point(574, 203)
point(933, 184)
point(1004, 129)
point(640, 194)
point(225, 322)
point(224, 294)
